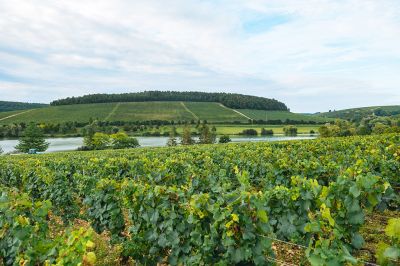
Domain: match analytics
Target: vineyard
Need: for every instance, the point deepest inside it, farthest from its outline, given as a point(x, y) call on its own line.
point(227, 204)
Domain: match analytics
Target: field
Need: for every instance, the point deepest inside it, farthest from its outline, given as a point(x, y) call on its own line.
point(150, 111)
point(214, 112)
point(58, 114)
point(141, 111)
point(282, 115)
point(226, 129)
point(301, 202)
point(278, 129)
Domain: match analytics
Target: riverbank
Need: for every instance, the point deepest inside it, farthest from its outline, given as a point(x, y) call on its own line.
point(221, 129)
point(70, 144)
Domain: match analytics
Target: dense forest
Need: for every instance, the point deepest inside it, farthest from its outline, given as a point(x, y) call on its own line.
point(231, 100)
point(12, 106)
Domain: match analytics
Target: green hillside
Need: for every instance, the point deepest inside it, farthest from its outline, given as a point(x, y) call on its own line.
point(133, 111)
point(142, 111)
point(149, 111)
point(357, 114)
point(281, 115)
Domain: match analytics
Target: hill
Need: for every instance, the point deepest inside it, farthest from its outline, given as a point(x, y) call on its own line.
point(231, 100)
point(6, 106)
point(283, 116)
point(145, 111)
point(356, 114)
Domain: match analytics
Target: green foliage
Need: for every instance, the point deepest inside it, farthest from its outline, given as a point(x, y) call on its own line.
point(121, 140)
point(266, 132)
point(186, 138)
point(290, 130)
point(25, 237)
point(339, 129)
point(172, 138)
point(368, 125)
point(389, 254)
point(105, 210)
point(207, 136)
point(357, 114)
point(102, 141)
point(217, 204)
point(33, 139)
point(224, 139)
point(283, 116)
point(249, 132)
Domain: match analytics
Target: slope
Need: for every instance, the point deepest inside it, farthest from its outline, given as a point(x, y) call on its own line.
point(282, 115)
point(357, 114)
point(145, 111)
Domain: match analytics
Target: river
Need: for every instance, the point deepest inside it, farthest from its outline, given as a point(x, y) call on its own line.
point(69, 144)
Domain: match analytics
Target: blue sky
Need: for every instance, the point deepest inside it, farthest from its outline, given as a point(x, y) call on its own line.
point(312, 55)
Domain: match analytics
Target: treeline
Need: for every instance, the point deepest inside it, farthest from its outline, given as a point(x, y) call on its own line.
point(232, 100)
point(370, 125)
point(358, 114)
point(13, 106)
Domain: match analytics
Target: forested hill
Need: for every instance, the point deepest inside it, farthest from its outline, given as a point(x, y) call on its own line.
point(13, 106)
point(236, 101)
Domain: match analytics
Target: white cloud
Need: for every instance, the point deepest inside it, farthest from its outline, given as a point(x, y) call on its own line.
point(327, 50)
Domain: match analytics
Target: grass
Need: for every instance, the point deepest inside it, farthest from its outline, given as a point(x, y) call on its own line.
point(57, 114)
point(9, 113)
point(281, 115)
point(223, 129)
point(278, 129)
point(214, 112)
point(139, 111)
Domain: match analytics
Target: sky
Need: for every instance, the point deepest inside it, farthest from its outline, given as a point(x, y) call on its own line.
point(312, 55)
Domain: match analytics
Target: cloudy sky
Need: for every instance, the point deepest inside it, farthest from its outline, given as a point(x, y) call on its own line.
point(312, 55)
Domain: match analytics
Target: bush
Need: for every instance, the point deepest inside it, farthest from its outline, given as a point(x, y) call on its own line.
point(267, 132)
point(123, 141)
point(249, 132)
point(224, 139)
point(290, 130)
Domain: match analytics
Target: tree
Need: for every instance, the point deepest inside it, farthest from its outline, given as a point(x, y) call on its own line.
point(88, 132)
point(121, 140)
point(33, 138)
point(224, 139)
point(207, 136)
point(186, 138)
point(249, 132)
point(266, 132)
point(172, 138)
point(290, 130)
point(100, 141)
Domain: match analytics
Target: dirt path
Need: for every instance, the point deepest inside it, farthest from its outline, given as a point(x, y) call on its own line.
point(236, 111)
point(7, 117)
point(187, 109)
point(112, 111)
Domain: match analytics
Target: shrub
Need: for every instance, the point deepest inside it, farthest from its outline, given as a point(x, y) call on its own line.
point(267, 132)
point(249, 132)
point(290, 130)
point(224, 139)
